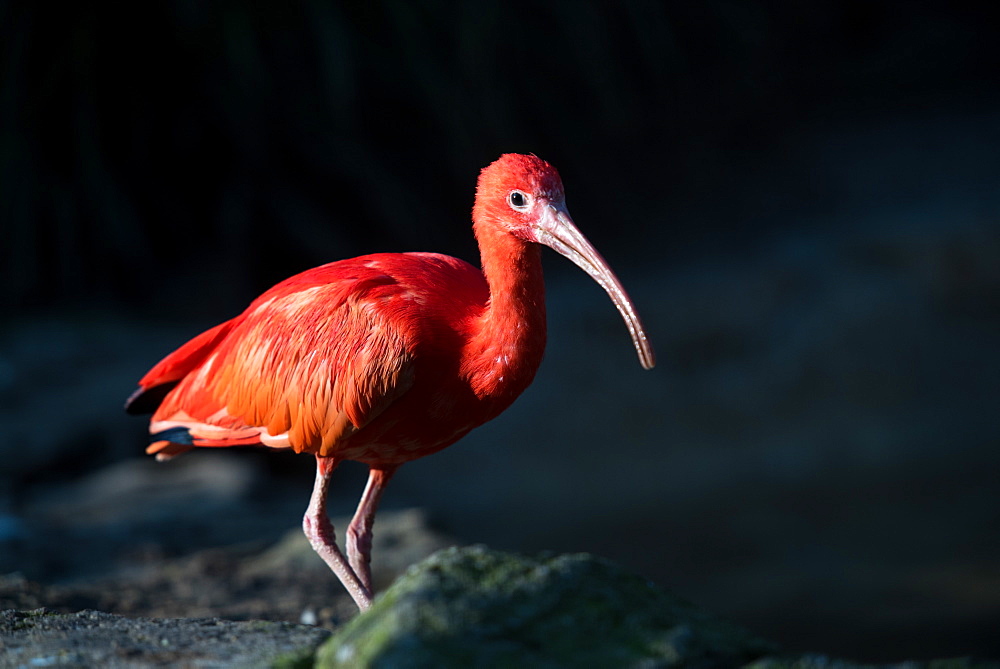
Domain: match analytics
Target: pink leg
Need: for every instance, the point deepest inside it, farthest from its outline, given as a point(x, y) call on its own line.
point(359, 532)
point(320, 533)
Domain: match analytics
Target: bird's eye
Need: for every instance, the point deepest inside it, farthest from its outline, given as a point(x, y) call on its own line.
point(518, 200)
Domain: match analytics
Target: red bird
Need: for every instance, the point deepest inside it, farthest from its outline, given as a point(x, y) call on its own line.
point(383, 358)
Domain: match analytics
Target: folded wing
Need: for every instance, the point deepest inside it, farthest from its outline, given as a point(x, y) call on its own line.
point(310, 362)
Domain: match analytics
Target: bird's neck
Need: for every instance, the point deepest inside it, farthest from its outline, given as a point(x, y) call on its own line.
point(508, 339)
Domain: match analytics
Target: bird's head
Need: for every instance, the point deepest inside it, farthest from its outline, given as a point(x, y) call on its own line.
point(523, 195)
point(515, 192)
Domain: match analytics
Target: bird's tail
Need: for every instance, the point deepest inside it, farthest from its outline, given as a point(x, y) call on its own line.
point(168, 438)
point(161, 379)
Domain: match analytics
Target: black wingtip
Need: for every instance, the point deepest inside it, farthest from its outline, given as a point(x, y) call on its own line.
point(175, 435)
point(146, 400)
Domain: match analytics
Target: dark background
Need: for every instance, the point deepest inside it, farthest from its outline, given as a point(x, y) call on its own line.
point(801, 197)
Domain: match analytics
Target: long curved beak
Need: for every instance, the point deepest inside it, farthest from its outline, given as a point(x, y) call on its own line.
point(556, 230)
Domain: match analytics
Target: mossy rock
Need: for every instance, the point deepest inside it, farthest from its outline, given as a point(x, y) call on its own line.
point(479, 607)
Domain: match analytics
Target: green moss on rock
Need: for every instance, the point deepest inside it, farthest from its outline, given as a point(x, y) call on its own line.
point(475, 606)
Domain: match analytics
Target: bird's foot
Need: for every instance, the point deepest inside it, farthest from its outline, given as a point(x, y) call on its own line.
point(321, 537)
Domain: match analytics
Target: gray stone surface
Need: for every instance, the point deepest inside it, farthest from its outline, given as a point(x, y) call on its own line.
point(93, 639)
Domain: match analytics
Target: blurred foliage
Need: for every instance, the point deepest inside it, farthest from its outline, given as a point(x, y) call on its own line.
point(182, 153)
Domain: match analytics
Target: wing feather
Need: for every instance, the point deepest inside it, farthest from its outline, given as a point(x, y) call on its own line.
point(310, 363)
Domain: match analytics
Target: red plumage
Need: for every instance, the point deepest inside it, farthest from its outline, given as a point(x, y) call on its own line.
point(382, 358)
point(333, 360)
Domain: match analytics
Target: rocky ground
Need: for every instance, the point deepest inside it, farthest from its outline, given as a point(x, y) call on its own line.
point(231, 606)
point(283, 582)
point(458, 608)
point(97, 639)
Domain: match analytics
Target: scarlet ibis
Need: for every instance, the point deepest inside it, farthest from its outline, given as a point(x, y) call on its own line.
point(383, 358)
